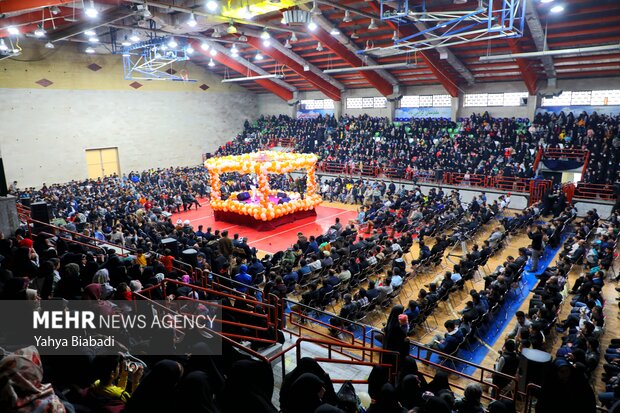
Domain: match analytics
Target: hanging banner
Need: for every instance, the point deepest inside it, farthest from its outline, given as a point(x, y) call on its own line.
point(406, 114)
point(601, 110)
point(313, 113)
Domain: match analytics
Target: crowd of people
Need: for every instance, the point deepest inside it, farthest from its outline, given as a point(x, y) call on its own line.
point(478, 144)
point(344, 264)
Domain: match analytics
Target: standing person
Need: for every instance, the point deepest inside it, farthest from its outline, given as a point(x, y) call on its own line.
point(225, 245)
point(535, 234)
point(395, 335)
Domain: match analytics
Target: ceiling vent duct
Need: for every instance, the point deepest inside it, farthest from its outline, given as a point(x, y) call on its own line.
point(296, 17)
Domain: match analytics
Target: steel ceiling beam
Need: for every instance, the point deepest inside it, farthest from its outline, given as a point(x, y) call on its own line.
point(525, 67)
point(383, 86)
point(451, 58)
point(105, 17)
point(538, 35)
point(433, 63)
point(14, 6)
point(276, 86)
point(350, 48)
point(322, 85)
point(29, 22)
point(289, 53)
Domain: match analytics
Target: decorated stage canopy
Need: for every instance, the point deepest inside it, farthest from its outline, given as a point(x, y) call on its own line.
point(264, 206)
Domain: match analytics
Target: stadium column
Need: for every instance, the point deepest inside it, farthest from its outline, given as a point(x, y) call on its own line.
point(456, 101)
point(9, 221)
point(338, 106)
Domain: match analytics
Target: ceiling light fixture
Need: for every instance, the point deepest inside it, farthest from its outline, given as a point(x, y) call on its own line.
point(546, 1)
point(293, 37)
point(258, 56)
point(91, 11)
point(395, 36)
point(557, 9)
point(213, 52)
point(319, 47)
point(212, 5)
point(334, 32)
point(243, 79)
point(12, 30)
point(211, 63)
point(372, 25)
point(231, 29)
point(204, 46)
point(191, 22)
point(189, 50)
point(234, 51)
point(216, 33)
point(312, 26)
point(243, 38)
point(172, 43)
point(347, 17)
point(354, 35)
point(40, 32)
point(265, 34)
point(266, 42)
point(126, 42)
point(89, 50)
point(90, 33)
point(54, 10)
point(49, 45)
point(3, 46)
point(93, 39)
point(287, 44)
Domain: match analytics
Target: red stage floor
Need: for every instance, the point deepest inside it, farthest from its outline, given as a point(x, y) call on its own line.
point(270, 241)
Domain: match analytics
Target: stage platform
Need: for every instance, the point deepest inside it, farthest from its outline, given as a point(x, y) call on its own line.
point(260, 225)
point(275, 240)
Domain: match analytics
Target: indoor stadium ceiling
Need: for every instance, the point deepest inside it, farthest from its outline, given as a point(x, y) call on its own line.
point(343, 27)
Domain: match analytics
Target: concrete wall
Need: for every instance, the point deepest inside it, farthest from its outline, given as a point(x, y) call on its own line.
point(271, 104)
point(47, 129)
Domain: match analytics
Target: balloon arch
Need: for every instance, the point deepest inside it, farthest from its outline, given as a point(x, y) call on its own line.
point(264, 204)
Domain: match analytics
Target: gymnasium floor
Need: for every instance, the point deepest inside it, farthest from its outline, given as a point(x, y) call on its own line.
point(490, 342)
point(269, 242)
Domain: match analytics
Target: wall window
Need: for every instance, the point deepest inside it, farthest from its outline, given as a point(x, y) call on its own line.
point(515, 98)
point(377, 102)
point(584, 98)
point(426, 101)
point(412, 101)
point(380, 102)
point(475, 99)
point(317, 104)
point(494, 99)
point(563, 99)
point(605, 97)
point(442, 101)
point(581, 98)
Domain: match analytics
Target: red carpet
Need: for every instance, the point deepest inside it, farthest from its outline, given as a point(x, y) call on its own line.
point(269, 241)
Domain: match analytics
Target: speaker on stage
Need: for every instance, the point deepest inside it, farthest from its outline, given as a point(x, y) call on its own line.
point(25, 201)
point(190, 256)
point(172, 245)
point(533, 367)
point(39, 211)
point(243, 196)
